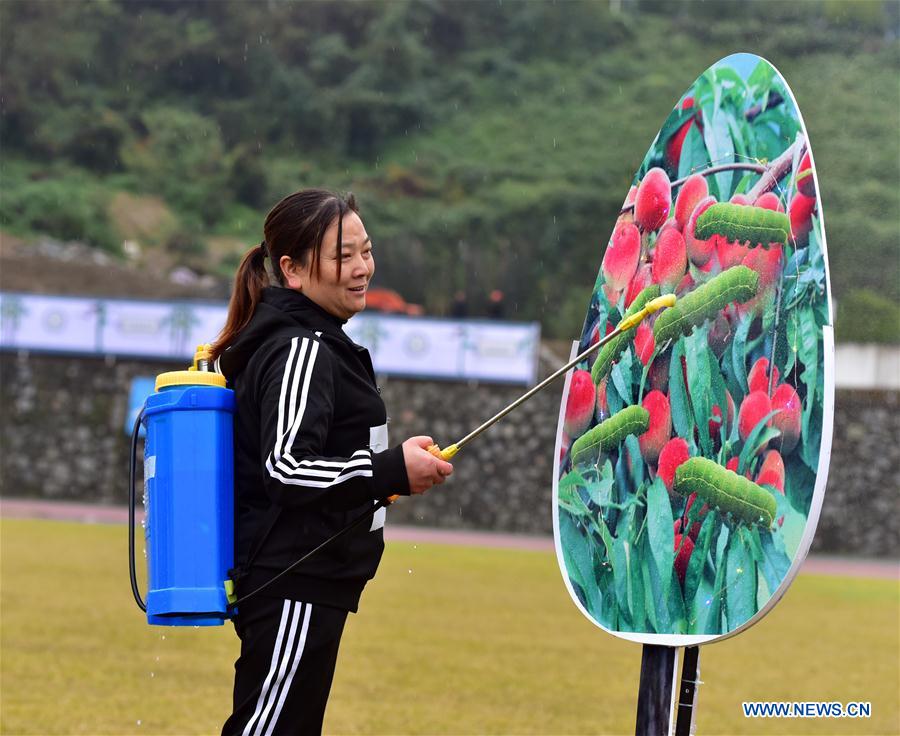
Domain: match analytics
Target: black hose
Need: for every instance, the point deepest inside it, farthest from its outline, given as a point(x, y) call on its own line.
point(352, 525)
point(131, 503)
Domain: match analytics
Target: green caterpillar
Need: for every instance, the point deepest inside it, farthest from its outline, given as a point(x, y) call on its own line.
point(608, 434)
point(743, 223)
point(610, 352)
point(726, 490)
point(737, 284)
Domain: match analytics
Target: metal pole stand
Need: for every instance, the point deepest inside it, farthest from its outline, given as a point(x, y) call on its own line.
point(665, 708)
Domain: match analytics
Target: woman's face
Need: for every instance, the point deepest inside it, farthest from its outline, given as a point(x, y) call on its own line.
point(342, 296)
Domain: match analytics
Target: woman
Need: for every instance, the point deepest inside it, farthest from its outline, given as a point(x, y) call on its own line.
point(311, 455)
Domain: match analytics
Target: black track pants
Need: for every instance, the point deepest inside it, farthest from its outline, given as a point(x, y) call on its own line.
point(283, 676)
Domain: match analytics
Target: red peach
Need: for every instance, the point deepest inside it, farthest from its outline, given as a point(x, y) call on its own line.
point(685, 285)
point(692, 192)
point(716, 422)
point(580, 404)
point(643, 342)
point(642, 279)
point(753, 408)
point(699, 251)
point(670, 224)
point(731, 253)
point(675, 143)
point(719, 334)
point(788, 419)
point(769, 201)
point(695, 527)
point(684, 546)
point(659, 373)
point(622, 254)
point(766, 262)
point(631, 196)
point(740, 199)
point(673, 453)
point(669, 259)
point(771, 472)
point(732, 465)
point(758, 377)
point(660, 429)
point(654, 200)
point(800, 212)
point(602, 407)
point(806, 182)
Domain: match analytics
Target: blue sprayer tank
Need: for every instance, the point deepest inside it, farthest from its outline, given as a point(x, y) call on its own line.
point(188, 498)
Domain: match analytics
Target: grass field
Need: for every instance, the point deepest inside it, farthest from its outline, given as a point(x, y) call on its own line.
point(450, 640)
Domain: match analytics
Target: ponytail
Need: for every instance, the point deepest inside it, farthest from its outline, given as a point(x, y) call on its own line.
point(249, 282)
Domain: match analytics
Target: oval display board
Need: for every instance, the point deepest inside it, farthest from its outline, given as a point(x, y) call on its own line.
point(692, 452)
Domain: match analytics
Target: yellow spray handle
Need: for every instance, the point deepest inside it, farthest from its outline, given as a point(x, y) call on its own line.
point(446, 454)
point(668, 300)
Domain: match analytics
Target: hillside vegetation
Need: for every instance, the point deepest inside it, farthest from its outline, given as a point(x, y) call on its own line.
point(490, 144)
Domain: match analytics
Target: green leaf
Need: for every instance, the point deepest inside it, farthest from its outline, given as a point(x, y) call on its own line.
point(622, 575)
point(759, 435)
point(721, 149)
point(775, 562)
point(740, 581)
point(635, 461)
point(677, 613)
point(698, 563)
point(740, 147)
point(809, 356)
point(760, 79)
point(578, 555)
point(651, 604)
point(711, 622)
point(660, 530)
point(694, 155)
point(718, 395)
point(791, 531)
point(696, 348)
point(621, 378)
point(567, 495)
point(673, 123)
point(682, 419)
point(600, 488)
point(739, 355)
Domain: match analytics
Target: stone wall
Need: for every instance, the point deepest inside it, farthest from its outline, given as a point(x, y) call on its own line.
point(62, 437)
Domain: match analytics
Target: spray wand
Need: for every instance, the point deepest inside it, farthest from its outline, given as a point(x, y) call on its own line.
point(450, 451)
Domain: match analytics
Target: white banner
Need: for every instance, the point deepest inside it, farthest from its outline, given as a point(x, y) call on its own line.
point(420, 347)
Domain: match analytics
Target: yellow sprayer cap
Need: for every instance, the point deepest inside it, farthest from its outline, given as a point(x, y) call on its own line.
point(189, 378)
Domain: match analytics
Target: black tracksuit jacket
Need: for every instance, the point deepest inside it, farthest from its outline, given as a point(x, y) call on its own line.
point(310, 452)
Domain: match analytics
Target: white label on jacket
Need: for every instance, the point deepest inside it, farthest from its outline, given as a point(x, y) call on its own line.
point(378, 438)
point(378, 442)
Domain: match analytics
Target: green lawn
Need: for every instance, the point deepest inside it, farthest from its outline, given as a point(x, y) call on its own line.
point(449, 640)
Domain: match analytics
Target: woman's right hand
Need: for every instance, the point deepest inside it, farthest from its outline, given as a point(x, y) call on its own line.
point(423, 469)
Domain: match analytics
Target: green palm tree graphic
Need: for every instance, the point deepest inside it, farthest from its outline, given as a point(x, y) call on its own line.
point(99, 310)
point(181, 321)
point(370, 334)
point(12, 309)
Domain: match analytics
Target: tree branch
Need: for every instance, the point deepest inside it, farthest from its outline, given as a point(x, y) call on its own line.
point(778, 168)
point(771, 173)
